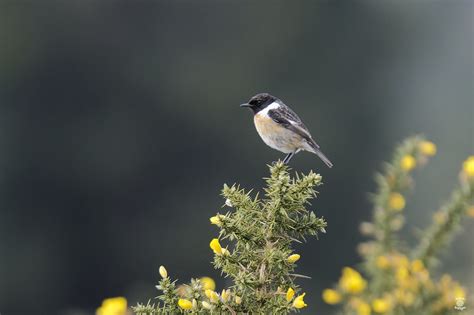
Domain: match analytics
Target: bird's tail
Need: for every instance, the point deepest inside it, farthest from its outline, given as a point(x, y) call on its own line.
point(315, 149)
point(323, 157)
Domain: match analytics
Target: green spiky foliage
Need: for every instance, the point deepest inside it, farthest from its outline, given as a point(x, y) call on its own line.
point(257, 254)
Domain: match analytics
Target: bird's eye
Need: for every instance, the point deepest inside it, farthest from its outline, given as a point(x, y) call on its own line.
point(253, 102)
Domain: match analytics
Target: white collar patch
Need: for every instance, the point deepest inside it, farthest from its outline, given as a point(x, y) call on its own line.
point(273, 105)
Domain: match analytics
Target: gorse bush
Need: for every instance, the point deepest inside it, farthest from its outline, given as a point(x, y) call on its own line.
point(254, 249)
point(258, 256)
point(398, 280)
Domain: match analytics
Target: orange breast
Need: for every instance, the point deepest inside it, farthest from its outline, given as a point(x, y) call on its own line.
point(275, 135)
point(266, 126)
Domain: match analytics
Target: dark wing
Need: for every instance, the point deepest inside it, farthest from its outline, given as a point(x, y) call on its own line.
point(290, 120)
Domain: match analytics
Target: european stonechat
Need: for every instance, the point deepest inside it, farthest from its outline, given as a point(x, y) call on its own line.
point(280, 128)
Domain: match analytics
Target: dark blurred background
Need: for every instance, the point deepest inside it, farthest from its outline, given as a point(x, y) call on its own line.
point(119, 124)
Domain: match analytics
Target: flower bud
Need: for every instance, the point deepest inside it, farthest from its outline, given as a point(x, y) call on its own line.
point(293, 258)
point(207, 305)
point(289, 294)
point(163, 272)
point(215, 220)
point(238, 300)
point(225, 295)
point(366, 228)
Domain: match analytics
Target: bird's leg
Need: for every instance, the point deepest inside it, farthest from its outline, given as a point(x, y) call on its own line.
point(288, 157)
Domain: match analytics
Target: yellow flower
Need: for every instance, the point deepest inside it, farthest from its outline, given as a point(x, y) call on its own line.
point(225, 295)
point(459, 292)
point(404, 279)
point(216, 246)
point(289, 294)
point(293, 258)
point(363, 309)
point(402, 274)
point(382, 262)
point(215, 220)
point(299, 302)
point(428, 148)
point(381, 306)
point(113, 306)
point(396, 201)
point(331, 296)
point(238, 300)
point(468, 166)
point(185, 304)
point(207, 283)
point(163, 272)
point(470, 211)
point(417, 265)
point(351, 281)
point(212, 296)
point(408, 162)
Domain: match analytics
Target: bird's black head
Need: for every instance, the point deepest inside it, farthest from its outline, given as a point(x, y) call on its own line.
point(259, 102)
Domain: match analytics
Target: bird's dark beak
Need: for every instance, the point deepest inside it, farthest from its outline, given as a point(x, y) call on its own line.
point(245, 105)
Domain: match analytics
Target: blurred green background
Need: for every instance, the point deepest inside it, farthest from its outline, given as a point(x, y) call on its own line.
point(119, 124)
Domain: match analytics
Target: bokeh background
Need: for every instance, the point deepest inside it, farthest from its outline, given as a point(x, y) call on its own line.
point(119, 124)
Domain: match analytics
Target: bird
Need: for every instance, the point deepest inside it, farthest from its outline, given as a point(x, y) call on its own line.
point(281, 128)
